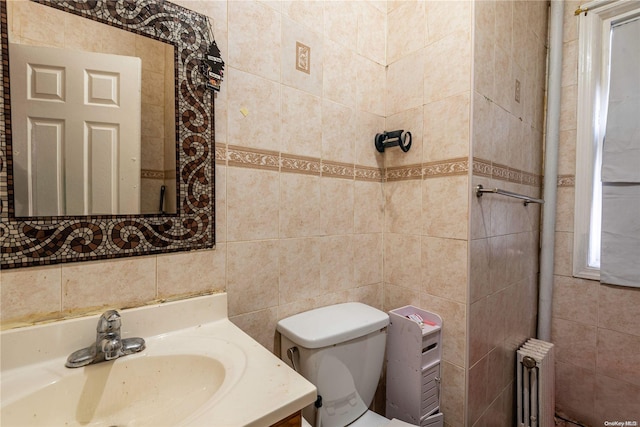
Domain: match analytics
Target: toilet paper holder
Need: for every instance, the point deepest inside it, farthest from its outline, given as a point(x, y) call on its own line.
point(394, 138)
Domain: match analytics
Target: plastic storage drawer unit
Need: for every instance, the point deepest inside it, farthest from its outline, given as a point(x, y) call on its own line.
point(414, 351)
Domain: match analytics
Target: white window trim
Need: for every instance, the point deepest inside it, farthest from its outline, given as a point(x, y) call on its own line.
point(593, 54)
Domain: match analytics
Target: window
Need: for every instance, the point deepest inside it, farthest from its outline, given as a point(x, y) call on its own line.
point(593, 83)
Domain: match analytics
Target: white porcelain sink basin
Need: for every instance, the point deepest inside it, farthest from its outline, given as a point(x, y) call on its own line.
point(153, 388)
point(198, 369)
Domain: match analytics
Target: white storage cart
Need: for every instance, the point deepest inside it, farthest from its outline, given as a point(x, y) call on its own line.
point(414, 351)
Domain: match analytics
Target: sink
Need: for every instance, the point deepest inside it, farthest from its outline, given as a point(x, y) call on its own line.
point(197, 369)
point(156, 390)
point(153, 388)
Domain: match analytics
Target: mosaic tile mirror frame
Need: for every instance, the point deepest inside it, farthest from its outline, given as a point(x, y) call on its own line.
point(36, 241)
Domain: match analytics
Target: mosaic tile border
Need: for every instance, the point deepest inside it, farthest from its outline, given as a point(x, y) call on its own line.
point(35, 241)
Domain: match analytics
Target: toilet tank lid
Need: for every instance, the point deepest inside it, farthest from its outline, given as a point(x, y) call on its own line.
point(332, 324)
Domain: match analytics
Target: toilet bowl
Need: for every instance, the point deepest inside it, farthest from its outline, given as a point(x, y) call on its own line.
point(340, 349)
point(371, 419)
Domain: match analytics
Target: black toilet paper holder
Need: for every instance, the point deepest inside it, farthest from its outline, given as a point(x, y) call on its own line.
point(394, 138)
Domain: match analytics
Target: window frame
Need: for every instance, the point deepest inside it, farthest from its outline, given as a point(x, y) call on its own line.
point(593, 76)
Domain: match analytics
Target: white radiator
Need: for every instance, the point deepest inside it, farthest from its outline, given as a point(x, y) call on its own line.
point(535, 384)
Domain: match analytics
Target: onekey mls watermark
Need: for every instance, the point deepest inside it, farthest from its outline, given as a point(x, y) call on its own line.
point(621, 423)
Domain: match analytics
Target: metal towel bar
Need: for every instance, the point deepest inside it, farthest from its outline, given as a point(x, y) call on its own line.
point(480, 190)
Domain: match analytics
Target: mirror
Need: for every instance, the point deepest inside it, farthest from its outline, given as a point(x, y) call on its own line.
point(67, 159)
point(118, 191)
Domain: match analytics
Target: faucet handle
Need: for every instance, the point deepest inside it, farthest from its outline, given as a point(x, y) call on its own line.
point(109, 321)
point(112, 349)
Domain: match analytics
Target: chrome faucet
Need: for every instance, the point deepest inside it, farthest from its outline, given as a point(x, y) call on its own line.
point(108, 345)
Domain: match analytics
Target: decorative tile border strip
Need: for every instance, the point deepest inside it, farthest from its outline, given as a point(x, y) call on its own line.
point(403, 173)
point(232, 155)
point(300, 164)
point(289, 163)
point(486, 168)
point(220, 153)
point(338, 170)
point(482, 167)
point(500, 172)
point(249, 157)
point(451, 167)
point(151, 174)
point(514, 175)
point(437, 169)
point(566, 181)
point(531, 179)
point(365, 173)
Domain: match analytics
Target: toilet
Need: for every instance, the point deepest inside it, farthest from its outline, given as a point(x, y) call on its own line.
point(340, 349)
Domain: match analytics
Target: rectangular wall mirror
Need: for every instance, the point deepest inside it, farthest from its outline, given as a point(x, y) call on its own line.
point(109, 131)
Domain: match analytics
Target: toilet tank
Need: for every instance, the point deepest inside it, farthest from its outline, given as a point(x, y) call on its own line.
point(340, 349)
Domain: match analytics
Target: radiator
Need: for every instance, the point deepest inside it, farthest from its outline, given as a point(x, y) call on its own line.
point(535, 384)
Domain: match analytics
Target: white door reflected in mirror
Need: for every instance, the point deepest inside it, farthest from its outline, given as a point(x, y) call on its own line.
point(76, 125)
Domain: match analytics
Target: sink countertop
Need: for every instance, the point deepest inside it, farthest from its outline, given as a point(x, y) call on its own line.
point(270, 390)
point(267, 392)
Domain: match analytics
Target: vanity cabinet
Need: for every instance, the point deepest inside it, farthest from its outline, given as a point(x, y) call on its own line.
point(414, 351)
point(294, 420)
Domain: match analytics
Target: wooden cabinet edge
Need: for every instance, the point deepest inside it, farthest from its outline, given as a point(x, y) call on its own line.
point(293, 420)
